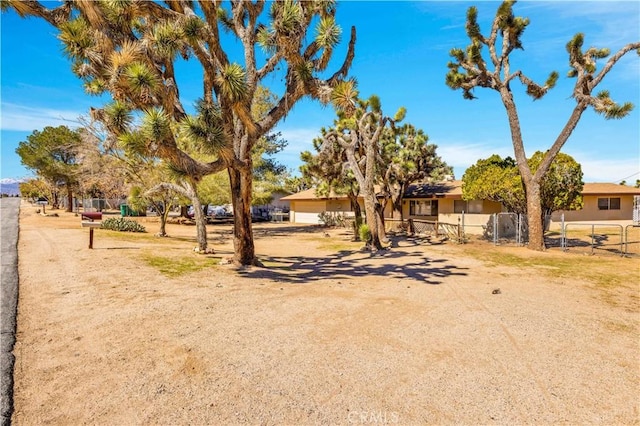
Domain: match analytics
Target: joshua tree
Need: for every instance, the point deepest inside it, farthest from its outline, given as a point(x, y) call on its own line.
point(470, 69)
point(356, 135)
point(130, 48)
point(407, 157)
point(325, 170)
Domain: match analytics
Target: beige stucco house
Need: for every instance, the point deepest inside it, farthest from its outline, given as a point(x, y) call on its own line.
point(443, 202)
point(602, 202)
point(306, 206)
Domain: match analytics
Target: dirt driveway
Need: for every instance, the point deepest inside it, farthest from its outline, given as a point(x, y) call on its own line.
point(324, 334)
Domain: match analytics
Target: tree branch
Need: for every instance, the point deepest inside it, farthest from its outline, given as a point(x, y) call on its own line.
point(611, 62)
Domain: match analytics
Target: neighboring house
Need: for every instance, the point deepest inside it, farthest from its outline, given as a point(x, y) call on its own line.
point(306, 206)
point(602, 201)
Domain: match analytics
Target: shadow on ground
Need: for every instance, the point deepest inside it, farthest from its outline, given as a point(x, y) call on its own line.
point(350, 264)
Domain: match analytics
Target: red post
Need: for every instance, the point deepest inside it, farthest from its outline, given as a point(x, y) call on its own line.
point(90, 238)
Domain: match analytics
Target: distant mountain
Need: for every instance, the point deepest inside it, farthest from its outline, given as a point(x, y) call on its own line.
point(10, 186)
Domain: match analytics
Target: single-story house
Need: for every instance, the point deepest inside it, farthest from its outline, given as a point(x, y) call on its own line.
point(306, 206)
point(603, 201)
point(443, 202)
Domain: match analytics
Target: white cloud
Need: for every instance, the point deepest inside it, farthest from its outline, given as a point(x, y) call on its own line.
point(300, 139)
point(26, 119)
point(609, 170)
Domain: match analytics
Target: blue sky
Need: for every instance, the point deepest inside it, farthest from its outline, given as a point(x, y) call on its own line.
point(401, 56)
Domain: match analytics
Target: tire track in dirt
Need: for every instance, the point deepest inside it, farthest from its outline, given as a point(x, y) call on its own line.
point(513, 343)
point(49, 245)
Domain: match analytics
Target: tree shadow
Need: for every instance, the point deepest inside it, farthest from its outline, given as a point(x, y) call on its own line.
point(278, 230)
point(352, 264)
point(600, 242)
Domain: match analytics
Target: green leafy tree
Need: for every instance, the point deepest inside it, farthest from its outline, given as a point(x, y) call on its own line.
point(498, 179)
point(129, 49)
point(492, 68)
point(561, 186)
point(495, 179)
point(51, 154)
point(35, 188)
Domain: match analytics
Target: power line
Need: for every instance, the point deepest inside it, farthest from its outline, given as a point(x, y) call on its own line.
point(625, 178)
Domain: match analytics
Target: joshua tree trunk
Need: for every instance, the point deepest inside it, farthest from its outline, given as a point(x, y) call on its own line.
point(357, 213)
point(187, 188)
point(373, 219)
point(381, 226)
point(241, 184)
point(164, 215)
point(534, 216)
point(69, 199)
point(397, 192)
point(201, 225)
point(371, 205)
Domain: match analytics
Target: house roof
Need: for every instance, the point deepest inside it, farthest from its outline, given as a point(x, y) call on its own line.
point(310, 194)
point(448, 189)
point(609, 189)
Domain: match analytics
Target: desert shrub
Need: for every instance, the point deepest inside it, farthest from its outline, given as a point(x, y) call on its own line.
point(365, 233)
point(332, 219)
point(122, 224)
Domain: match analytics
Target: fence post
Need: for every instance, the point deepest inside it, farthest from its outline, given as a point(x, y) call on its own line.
point(495, 229)
point(622, 251)
point(462, 221)
point(412, 228)
point(563, 234)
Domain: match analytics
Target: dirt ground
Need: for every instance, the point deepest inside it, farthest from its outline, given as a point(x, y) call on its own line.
point(324, 334)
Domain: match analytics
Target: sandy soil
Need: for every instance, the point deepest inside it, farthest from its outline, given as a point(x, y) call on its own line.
point(324, 334)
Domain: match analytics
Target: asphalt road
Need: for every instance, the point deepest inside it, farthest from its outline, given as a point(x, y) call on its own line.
point(9, 209)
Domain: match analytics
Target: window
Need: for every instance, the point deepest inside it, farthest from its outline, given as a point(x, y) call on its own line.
point(473, 206)
point(609, 203)
point(423, 207)
point(614, 203)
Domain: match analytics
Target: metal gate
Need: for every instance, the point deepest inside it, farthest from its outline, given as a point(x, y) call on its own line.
point(509, 228)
